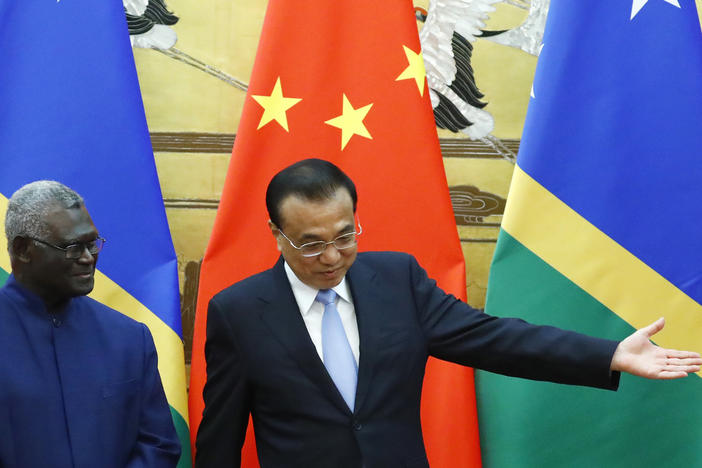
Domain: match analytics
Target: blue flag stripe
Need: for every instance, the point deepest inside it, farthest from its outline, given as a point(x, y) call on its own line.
point(615, 132)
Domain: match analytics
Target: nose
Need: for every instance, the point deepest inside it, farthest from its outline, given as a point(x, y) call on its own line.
point(330, 255)
point(86, 256)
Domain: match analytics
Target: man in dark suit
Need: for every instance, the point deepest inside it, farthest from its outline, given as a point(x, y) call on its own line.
point(327, 349)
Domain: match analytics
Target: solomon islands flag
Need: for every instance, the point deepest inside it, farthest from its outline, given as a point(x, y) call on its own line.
point(71, 110)
point(603, 234)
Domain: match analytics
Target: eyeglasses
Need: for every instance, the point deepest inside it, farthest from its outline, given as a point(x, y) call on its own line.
point(75, 251)
point(312, 249)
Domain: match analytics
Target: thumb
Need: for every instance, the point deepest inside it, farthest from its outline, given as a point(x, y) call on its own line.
point(654, 328)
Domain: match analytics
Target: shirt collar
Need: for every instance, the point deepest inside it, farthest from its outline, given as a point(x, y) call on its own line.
point(305, 294)
point(30, 300)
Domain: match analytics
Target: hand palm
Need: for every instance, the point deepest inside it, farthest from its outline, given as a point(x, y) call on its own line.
point(637, 355)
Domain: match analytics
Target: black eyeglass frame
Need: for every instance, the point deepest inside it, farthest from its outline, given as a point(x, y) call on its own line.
point(75, 251)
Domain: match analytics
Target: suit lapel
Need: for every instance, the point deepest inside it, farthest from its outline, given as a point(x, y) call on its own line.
point(369, 302)
point(282, 316)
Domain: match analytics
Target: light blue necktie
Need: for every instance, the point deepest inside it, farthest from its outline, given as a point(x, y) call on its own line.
point(336, 351)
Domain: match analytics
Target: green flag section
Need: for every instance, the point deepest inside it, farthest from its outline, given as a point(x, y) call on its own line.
point(181, 427)
point(3, 276)
point(539, 424)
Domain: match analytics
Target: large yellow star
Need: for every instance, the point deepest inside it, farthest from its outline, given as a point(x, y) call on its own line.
point(351, 122)
point(415, 70)
point(275, 106)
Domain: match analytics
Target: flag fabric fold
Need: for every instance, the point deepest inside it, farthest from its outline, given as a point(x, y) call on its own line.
point(344, 81)
point(71, 111)
point(602, 233)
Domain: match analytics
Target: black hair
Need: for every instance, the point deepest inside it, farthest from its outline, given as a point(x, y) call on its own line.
point(311, 179)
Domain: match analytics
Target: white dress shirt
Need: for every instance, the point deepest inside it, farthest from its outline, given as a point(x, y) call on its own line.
point(312, 311)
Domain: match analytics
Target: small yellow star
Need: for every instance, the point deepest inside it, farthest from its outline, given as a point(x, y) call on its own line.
point(415, 70)
point(275, 106)
point(351, 122)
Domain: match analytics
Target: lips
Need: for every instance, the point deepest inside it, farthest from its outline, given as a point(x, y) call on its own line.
point(84, 274)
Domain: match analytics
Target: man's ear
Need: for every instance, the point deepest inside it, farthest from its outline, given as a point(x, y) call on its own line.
point(275, 231)
point(20, 249)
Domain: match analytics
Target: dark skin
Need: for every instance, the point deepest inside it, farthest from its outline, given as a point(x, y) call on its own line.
point(45, 270)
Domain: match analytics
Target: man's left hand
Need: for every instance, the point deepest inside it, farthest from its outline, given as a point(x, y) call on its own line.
point(638, 356)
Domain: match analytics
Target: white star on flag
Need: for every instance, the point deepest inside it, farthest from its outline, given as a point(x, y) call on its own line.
point(637, 5)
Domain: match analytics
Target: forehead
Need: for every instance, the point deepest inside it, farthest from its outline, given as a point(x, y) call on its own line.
point(69, 223)
point(304, 216)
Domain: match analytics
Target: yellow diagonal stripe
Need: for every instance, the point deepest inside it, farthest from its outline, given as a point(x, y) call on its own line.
point(4, 258)
point(599, 265)
point(171, 363)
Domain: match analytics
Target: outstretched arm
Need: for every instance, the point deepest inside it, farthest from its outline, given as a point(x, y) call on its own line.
point(638, 356)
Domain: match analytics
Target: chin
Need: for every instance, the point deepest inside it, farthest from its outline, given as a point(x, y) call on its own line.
point(329, 283)
point(83, 288)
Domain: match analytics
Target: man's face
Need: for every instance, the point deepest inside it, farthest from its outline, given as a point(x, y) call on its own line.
point(49, 273)
point(317, 220)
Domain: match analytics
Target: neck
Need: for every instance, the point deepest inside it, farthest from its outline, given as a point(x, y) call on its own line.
point(56, 307)
point(51, 302)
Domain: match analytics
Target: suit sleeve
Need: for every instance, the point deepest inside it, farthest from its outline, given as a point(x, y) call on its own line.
point(226, 395)
point(157, 444)
point(459, 333)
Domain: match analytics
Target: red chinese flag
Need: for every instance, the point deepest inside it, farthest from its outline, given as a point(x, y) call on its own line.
point(344, 81)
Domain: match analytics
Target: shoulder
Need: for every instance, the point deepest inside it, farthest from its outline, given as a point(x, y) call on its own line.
point(384, 257)
point(106, 317)
point(117, 338)
point(391, 268)
point(5, 296)
point(395, 270)
point(247, 288)
point(386, 261)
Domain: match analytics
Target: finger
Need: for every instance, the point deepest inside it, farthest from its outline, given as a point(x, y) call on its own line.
point(668, 375)
point(684, 361)
point(674, 353)
point(685, 367)
point(654, 328)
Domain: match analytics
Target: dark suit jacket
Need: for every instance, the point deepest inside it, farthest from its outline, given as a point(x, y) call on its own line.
point(261, 361)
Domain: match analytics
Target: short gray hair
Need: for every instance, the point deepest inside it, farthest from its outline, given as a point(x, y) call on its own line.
point(28, 207)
